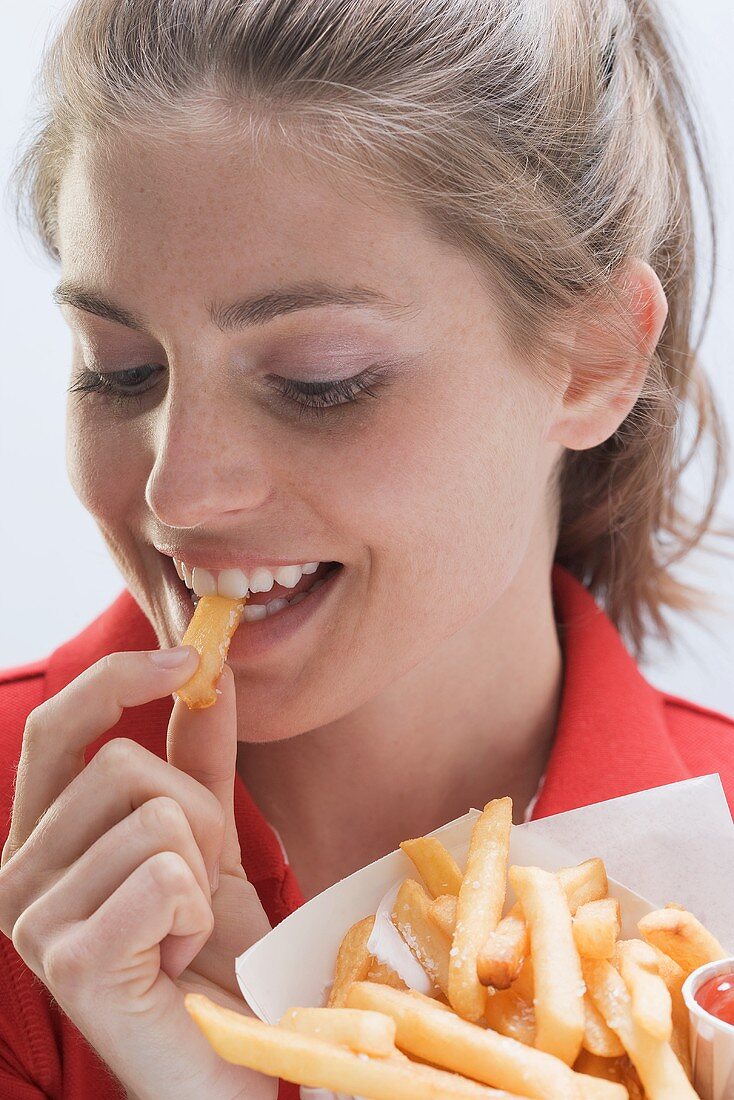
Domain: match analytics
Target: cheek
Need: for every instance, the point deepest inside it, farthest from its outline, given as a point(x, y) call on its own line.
point(101, 461)
point(445, 494)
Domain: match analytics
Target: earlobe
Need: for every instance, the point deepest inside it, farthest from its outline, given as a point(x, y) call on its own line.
point(608, 358)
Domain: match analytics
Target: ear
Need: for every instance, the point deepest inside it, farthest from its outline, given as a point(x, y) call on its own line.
point(606, 359)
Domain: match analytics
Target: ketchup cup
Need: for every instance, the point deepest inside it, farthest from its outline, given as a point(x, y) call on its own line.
point(712, 1039)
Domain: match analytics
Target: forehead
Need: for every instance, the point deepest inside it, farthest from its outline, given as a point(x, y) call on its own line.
point(192, 215)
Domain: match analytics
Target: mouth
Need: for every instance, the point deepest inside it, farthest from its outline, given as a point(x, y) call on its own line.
point(275, 600)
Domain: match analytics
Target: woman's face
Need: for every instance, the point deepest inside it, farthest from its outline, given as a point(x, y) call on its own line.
point(430, 489)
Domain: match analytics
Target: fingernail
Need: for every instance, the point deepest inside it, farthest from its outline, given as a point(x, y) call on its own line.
point(170, 658)
point(214, 882)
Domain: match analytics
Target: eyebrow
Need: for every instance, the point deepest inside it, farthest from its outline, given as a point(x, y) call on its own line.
point(258, 309)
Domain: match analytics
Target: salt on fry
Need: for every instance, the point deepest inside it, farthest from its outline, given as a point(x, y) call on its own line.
point(680, 935)
point(660, 1072)
point(436, 866)
point(353, 961)
point(429, 945)
point(651, 1002)
point(479, 906)
point(559, 985)
point(210, 631)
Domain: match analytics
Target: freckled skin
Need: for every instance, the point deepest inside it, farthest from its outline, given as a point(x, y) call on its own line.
point(428, 493)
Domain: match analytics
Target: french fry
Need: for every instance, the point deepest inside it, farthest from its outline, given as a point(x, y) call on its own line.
point(353, 961)
point(595, 1065)
point(596, 928)
point(501, 956)
point(443, 1038)
point(479, 906)
point(442, 912)
point(307, 1060)
point(599, 1039)
point(425, 940)
point(510, 1015)
point(524, 984)
point(367, 1032)
point(436, 866)
point(597, 1088)
point(651, 1002)
point(559, 985)
point(674, 977)
point(210, 631)
point(384, 975)
point(660, 1072)
point(680, 935)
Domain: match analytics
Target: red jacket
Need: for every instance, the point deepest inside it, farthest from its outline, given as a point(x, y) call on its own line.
point(616, 734)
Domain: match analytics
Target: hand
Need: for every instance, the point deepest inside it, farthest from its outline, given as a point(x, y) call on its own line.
point(105, 877)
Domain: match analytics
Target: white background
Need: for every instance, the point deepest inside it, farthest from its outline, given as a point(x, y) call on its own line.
point(55, 572)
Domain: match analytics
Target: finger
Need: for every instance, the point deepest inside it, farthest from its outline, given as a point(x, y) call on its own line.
point(115, 952)
point(203, 744)
point(57, 732)
point(159, 825)
point(121, 777)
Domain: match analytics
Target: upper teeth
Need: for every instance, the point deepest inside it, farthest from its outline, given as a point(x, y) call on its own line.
point(235, 584)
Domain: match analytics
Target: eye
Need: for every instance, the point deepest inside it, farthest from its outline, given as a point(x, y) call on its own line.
point(317, 397)
point(122, 385)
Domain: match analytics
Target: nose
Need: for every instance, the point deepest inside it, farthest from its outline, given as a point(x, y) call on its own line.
point(209, 462)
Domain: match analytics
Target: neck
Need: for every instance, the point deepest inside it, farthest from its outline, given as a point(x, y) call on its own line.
point(473, 722)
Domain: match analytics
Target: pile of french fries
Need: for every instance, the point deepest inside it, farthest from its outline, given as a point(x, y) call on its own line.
point(542, 1002)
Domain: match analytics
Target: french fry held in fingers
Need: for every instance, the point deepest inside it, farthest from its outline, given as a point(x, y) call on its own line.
point(308, 1060)
point(660, 1072)
point(210, 631)
point(479, 906)
point(436, 866)
point(364, 1032)
point(501, 957)
point(559, 984)
point(677, 933)
point(651, 1002)
point(353, 961)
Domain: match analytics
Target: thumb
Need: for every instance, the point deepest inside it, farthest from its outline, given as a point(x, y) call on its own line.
point(203, 743)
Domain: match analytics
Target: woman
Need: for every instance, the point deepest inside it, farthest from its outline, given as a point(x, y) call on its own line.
point(405, 288)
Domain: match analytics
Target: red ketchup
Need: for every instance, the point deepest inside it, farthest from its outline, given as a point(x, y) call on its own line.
point(716, 996)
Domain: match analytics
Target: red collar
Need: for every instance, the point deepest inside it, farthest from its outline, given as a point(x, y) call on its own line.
point(611, 736)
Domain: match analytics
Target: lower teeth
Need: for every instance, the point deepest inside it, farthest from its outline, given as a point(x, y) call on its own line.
point(254, 612)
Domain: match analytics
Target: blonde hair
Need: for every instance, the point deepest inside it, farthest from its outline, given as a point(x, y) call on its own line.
point(546, 140)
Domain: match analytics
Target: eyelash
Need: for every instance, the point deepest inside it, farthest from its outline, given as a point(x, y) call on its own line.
point(321, 395)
